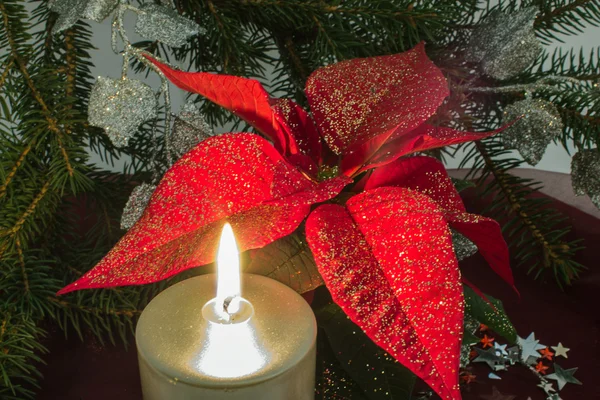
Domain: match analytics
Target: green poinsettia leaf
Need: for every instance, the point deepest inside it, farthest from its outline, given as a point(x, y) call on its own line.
point(375, 371)
point(469, 338)
point(289, 261)
point(332, 381)
point(492, 315)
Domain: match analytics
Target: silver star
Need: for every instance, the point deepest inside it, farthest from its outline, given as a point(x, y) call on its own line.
point(560, 350)
point(513, 354)
point(487, 356)
point(500, 367)
point(500, 349)
point(554, 396)
point(492, 375)
point(529, 347)
point(546, 387)
point(563, 376)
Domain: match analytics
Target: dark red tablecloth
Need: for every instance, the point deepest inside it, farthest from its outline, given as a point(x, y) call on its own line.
point(87, 370)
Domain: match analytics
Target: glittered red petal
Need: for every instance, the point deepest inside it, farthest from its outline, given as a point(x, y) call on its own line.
point(428, 176)
point(387, 260)
point(424, 174)
point(487, 236)
point(244, 97)
point(425, 137)
point(359, 103)
point(303, 137)
point(236, 177)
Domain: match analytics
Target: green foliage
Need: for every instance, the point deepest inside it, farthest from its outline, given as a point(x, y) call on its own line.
point(58, 212)
point(490, 313)
point(375, 371)
point(537, 233)
point(289, 261)
point(20, 351)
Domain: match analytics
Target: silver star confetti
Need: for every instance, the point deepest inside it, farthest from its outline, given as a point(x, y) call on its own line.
point(70, 11)
point(538, 125)
point(513, 355)
point(120, 106)
point(500, 349)
point(560, 350)
point(138, 200)
point(546, 387)
point(463, 247)
point(189, 129)
point(488, 356)
point(563, 376)
point(505, 44)
point(529, 347)
point(585, 174)
point(156, 22)
point(492, 375)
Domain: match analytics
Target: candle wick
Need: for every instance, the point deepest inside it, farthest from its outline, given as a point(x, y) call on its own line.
point(227, 303)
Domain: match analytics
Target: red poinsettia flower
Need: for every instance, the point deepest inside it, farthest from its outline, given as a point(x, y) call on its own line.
point(386, 254)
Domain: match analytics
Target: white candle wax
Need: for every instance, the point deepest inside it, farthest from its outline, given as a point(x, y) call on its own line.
point(263, 347)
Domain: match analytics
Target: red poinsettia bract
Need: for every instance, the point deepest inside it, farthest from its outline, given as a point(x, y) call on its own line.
point(386, 255)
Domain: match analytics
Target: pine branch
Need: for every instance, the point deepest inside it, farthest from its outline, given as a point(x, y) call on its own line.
point(547, 18)
point(14, 169)
point(9, 65)
point(565, 19)
point(536, 231)
point(19, 355)
point(50, 119)
point(515, 205)
point(30, 210)
point(71, 60)
point(22, 265)
point(129, 313)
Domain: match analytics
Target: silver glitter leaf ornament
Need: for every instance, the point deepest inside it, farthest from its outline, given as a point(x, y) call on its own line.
point(538, 125)
point(138, 200)
point(189, 129)
point(70, 11)
point(585, 174)
point(120, 106)
point(156, 22)
point(463, 247)
point(505, 44)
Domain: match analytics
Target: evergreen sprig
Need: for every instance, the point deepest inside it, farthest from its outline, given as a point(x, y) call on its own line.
point(538, 234)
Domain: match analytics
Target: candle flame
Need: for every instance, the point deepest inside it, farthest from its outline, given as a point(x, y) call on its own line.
point(228, 272)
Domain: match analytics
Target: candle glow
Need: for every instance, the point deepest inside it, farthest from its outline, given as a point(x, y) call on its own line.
point(228, 273)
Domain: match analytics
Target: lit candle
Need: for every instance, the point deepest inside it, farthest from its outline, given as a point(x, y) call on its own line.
point(254, 340)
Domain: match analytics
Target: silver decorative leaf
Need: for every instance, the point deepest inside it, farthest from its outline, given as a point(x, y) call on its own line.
point(70, 11)
point(98, 10)
point(463, 247)
point(538, 126)
point(156, 22)
point(505, 44)
point(120, 106)
point(585, 174)
point(189, 129)
point(138, 200)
